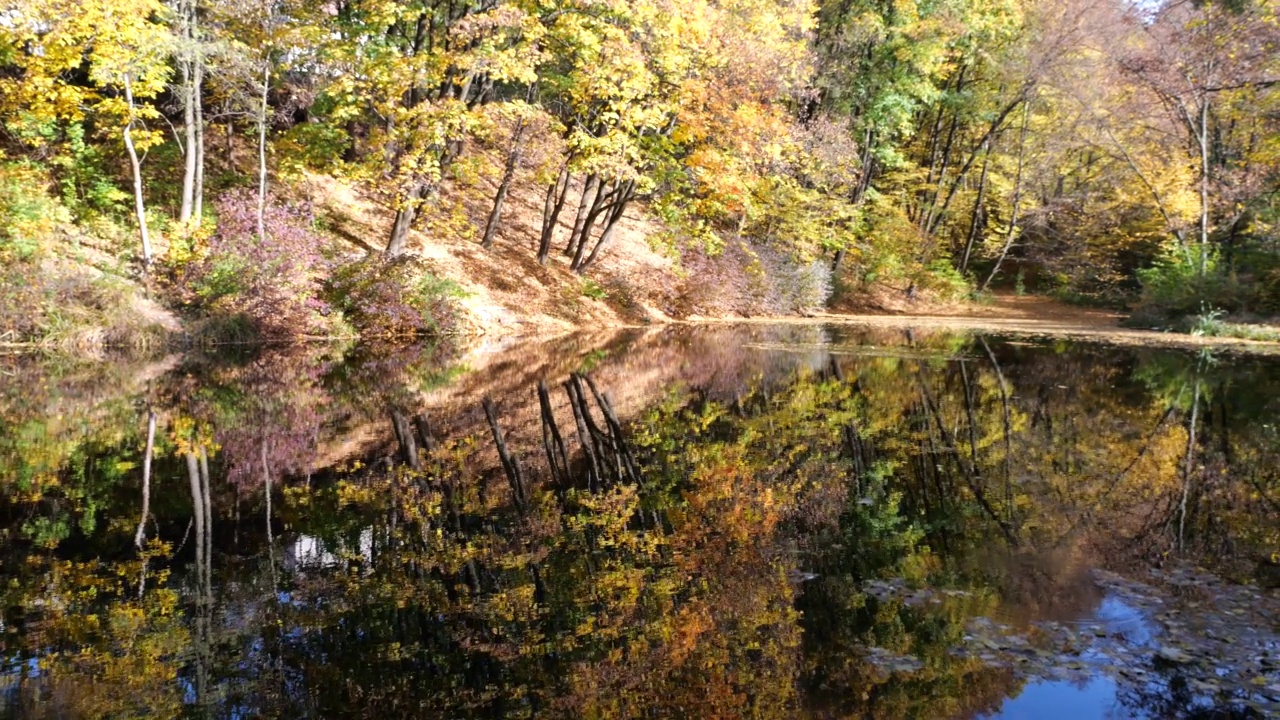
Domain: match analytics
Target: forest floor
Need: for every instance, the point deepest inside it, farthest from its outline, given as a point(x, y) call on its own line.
point(505, 292)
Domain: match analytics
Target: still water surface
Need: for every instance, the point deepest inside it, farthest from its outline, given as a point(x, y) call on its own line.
point(686, 523)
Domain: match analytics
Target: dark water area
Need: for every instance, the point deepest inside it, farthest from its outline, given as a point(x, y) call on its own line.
point(717, 522)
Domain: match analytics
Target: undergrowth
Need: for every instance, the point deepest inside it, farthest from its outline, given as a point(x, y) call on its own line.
point(750, 280)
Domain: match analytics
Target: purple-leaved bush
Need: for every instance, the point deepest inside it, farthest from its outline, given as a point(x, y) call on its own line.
point(275, 282)
point(752, 280)
point(394, 298)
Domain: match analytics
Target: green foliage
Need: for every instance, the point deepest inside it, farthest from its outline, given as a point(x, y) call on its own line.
point(1211, 323)
point(86, 184)
point(594, 290)
point(943, 280)
point(1176, 286)
point(223, 278)
point(313, 146)
point(28, 215)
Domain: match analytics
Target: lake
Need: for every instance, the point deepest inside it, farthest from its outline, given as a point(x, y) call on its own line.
point(686, 522)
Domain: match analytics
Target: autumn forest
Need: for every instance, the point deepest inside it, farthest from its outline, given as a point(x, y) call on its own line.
point(640, 359)
point(803, 154)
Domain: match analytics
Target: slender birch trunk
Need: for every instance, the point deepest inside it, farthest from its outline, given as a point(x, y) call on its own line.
point(197, 209)
point(1017, 200)
point(139, 205)
point(262, 151)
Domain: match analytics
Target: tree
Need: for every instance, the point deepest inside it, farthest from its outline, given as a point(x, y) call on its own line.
point(415, 72)
point(1194, 58)
point(121, 47)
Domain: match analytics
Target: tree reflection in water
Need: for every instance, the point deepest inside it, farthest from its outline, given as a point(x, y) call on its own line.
point(756, 524)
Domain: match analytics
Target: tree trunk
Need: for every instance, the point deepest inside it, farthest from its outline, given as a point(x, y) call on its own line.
point(944, 160)
point(936, 216)
point(404, 221)
point(1203, 137)
point(615, 214)
point(197, 208)
point(975, 224)
point(189, 131)
point(139, 206)
point(589, 191)
point(1017, 201)
point(604, 195)
point(262, 151)
point(556, 194)
point(508, 174)
point(859, 193)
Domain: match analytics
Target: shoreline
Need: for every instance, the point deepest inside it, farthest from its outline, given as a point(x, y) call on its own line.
point(1029, 317)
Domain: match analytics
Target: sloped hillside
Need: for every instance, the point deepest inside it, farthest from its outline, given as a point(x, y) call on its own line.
point(505, 290)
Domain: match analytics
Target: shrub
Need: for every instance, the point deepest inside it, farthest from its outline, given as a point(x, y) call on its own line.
point(941, 280)
point(394, 298)
point(752, 280)
point(21, 303)
point(274, 284)
point(1267, 293)
point(1174, 286)
point(28, 215)
point(594, 290)
point(807, 286)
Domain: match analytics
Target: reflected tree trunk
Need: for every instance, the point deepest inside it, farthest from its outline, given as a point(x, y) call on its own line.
point(970, 472)
point(509, 464)
point(405, 439)
point(1008, 428)
point(271, 539)
point(584, 438)
point(1188, 465)
point(199, 505)
point(620, 447)
point(552, 441)
point(140, 536)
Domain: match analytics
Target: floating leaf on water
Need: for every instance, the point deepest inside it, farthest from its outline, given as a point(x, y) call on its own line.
point(1173, 655)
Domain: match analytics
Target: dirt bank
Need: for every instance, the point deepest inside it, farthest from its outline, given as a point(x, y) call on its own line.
point(508, 294)
point(1028, 316)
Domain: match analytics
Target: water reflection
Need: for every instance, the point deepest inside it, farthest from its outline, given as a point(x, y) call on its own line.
point(768, 522)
